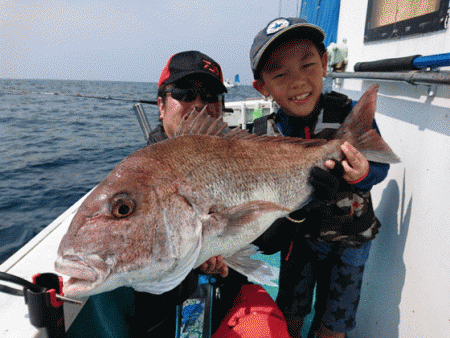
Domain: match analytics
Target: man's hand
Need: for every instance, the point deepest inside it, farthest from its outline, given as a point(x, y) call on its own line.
point(215, 265)
point(356, 166)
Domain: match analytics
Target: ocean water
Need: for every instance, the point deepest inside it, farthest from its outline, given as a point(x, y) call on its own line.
point(55, 148)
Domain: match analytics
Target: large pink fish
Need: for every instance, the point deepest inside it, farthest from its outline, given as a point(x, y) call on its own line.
point(169, 207)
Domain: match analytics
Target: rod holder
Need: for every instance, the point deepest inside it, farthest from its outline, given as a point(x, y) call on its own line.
point(45, 310)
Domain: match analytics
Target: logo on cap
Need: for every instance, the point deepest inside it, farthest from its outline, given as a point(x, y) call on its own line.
point(211, 67)
point(277, 25)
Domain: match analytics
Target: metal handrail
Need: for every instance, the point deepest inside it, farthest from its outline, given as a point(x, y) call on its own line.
point(412, 77)
point(142, 119)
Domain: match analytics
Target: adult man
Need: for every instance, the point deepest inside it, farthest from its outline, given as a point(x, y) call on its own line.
point(190, 80)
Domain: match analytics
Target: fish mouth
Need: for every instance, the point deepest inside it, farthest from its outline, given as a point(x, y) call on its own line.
point(85, 273)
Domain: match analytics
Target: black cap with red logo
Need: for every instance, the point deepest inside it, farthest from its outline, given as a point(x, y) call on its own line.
point(188, 63)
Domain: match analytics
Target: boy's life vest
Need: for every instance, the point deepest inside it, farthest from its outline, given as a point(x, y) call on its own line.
point(339, 212)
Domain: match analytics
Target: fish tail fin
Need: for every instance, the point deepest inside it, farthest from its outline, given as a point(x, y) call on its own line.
point(254, 269)
point(357, 129)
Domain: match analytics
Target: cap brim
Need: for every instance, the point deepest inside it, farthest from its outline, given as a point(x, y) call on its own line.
point(214, 80)
point(314, 30)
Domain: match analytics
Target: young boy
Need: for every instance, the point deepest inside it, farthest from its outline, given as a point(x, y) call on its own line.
point(289, 61)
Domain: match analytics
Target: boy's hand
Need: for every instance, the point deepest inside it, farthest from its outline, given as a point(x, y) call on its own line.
point(215, 265)
point(355, 165)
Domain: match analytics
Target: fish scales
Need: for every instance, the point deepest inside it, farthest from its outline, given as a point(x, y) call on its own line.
point(232, 170)
point(169, 207)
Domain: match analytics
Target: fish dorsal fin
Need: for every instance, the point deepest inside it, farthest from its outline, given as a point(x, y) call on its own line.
point(239, 134)
point(201, 123)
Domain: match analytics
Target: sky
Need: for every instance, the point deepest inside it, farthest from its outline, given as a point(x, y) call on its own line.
point(128, 40)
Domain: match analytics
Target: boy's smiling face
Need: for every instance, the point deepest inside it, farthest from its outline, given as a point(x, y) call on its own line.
point(293, 75)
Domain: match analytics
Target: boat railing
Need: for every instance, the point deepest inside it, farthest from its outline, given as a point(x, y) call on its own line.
point(413, 77)
point(414, 69)
point(142, 119)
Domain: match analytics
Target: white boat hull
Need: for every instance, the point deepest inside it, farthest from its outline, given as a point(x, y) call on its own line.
point(406, 289)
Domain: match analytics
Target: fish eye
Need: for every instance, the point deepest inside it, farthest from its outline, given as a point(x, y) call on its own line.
point(122, 206)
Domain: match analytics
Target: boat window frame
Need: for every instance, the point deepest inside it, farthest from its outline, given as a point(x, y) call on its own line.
point(431, 22)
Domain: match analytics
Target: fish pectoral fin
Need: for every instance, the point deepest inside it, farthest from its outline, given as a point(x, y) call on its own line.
point(239, 216)
point(254, 269)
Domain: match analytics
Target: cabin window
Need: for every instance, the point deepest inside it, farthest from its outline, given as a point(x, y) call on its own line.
point(389, 19)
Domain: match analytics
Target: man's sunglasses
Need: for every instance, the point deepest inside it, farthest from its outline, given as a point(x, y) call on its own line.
point(190, 94)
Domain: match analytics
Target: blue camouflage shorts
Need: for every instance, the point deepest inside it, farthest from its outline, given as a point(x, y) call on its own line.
point(338, 287)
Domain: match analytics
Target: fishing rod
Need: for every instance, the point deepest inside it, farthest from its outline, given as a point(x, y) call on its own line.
point(87, 96)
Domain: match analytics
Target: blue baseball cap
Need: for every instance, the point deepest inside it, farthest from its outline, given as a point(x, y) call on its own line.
point(275, 29)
